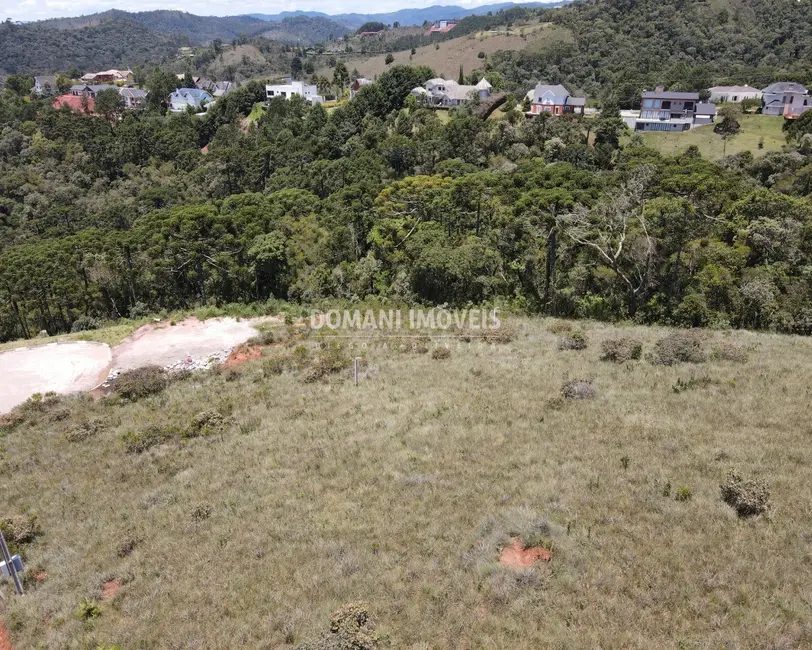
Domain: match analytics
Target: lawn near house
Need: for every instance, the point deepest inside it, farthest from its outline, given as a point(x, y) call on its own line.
point(712, 146)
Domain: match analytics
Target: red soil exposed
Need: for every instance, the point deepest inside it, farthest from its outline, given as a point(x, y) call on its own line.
point(517, 557)
point(242, 354)
point(5, 641)
point(110, 589)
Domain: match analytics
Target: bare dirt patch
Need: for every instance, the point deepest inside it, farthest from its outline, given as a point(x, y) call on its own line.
point(5, 641)
point(110, 589)
point(58, 367)
point(517, 557)
point(242, 354)
point(191, 342)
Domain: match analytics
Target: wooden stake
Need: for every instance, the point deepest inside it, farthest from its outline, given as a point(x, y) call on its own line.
point(355, 368)
point(10, 564)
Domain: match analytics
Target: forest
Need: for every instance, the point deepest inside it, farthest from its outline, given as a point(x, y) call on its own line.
point(380, 199)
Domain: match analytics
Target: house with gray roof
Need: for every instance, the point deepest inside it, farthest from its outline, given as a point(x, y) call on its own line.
point(554, 99)
point(665, 110)
point(90, 90)
point(449, 93)
point(183, 98)
point(786, 98)
point(44, 86)
point(134, 98)
point(732, 94)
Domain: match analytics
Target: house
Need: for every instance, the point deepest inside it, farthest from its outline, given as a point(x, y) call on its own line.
point(44, 86)
point(90, 91)
point(555, 99)
point(442, 26)
point(109, 76)
point(183, 98)
point(195, 80)
point(78, 103)
point(133, 98)
point(447, 92)
point(786, 98)
point(357, 84)
point(308, 91)
point(732, 94)
point(664, 110)
point(218, 88)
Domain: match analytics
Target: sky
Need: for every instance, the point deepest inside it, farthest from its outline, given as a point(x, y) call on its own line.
point(40, 9)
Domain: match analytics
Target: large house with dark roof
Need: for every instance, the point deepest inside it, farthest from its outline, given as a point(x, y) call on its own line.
point(555, 99)
point(786, 98)
point(664, 110)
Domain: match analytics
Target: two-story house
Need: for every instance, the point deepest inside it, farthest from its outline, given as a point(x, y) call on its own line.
point(90, 90)
point(554, 99)
point(287, 90)
point(44, 86)
point(183, 98)
point(357, 84)
point(449, 93)
point(786, 98)
point(134, 98)
point(664, 110)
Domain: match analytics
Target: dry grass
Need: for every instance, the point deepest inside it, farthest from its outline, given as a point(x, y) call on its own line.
point(400, 491)
point(446, 60)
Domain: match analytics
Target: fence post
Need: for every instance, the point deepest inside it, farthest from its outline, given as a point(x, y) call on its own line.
point(10, 564)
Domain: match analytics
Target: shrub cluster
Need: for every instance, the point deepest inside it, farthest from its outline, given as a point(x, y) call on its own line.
point(84, 324)
point(729, 352)
point(441, 353)
point(141, 382)
point(747, 497)
point(679, 347)
point(621, 350)
point(574, 341)
point(351, 628)
point(578, 389)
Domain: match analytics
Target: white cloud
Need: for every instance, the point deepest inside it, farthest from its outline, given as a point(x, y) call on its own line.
point(40, 9)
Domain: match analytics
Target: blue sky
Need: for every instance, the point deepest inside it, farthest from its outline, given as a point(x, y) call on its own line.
point(39, 9)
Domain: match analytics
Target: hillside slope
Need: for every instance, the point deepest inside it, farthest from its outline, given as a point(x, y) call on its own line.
point(305, 30)
point(402, 491)
point(119, 43)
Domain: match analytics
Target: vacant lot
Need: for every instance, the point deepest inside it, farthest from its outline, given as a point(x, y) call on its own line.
point(298, 496)
point(712, 146)
point(446, 59)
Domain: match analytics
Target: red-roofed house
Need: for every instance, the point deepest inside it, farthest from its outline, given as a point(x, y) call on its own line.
point(75, 103)
point(442, 26)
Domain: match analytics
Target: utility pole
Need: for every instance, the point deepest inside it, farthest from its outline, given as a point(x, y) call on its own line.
point(10, 564)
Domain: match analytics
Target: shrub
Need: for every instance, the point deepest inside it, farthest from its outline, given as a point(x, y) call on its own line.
point(205, 423)
point(88, 610)
point(679, 347)
point(201, 512)
point(135, 384)
point(694, 382)
point(441, 353)
point(574, 341)
point(148, 437)
point(621, 350)
point(505, 333)
point(683, 493)
point(351, 628)
point(139, 310)
point(747, 497)
point(559, 327)
point(578, 389)
point(20, 530)
point(83, 431)
point(273, 366)
point(329, 360)
point(729, 352)
point(85, 323)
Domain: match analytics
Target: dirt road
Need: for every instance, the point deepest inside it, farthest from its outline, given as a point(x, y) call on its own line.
point(80, 366)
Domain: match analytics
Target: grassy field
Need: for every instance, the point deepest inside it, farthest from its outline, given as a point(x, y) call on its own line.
point(401, 491)
point(712, 146)
point(446, 59)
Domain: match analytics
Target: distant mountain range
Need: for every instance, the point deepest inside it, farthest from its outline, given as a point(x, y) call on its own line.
point(408, 16)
